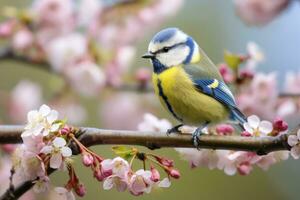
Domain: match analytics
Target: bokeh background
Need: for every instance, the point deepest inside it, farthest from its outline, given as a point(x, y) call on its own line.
point(216, 27)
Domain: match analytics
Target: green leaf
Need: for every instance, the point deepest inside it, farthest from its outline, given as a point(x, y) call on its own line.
point(232, 60)
point(124, 152)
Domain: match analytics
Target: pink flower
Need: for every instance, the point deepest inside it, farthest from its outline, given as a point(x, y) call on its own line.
point(58, 151)
point(86, 77)
point(256, 127)
point(87, 160)
point(54, 13)
point(155, 176)
point(226, 73)
point(140, 182)
point(112, 181)
point(271, 158)
point(88, 10)
point(257, 12)
point(6, 28)
point(224, 129)
point(152, 123)
point(25, 96)
point(293, 141)
point(80, 190)
point(65, 50)
point(22, 40)
point(280, 125)
point(292, 80)
point(118, 166)
point(200, 158)
point(239, 161)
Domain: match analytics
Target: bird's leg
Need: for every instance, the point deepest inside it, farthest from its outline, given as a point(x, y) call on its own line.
point(175, 129)
point(197, 133)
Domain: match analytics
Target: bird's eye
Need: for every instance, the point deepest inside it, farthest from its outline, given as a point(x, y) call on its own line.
point(166, 49)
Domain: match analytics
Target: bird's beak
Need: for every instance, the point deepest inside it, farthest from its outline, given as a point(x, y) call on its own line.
point(148, 55)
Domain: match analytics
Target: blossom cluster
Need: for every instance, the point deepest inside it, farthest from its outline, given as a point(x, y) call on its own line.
point(89, 42)
point(46, 147)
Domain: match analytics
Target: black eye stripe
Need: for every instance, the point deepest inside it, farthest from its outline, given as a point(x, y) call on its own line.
point(162, 50)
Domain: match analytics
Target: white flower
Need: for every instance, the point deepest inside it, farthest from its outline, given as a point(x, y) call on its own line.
point(115, 181)
point(294, 142)
point(256, 55)
point(118, 166)
point(140, 182)
point(257, 127)
point(64, 193)
point(58, 151)
point(152, 123)
point(165, 183)
point(41, 122)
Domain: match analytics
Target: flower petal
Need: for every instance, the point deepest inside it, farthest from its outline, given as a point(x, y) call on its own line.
point(55, 161)
point(59, 142)
point(44, 110)
point(66, 151)
point(295, 152)
point(54, 127)
point(165, 183)
point(108, 183)
point(248, 128)
point(46, 149)
point(52, 117)
point(293, 140)
point(298, 134)
point(253, 121)
point(265, 127)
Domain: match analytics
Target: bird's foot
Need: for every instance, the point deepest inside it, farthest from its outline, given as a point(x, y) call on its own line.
point(175, 129)
point(197, 134)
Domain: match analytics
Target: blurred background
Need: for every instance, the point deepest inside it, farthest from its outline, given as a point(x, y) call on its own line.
point(216, 27)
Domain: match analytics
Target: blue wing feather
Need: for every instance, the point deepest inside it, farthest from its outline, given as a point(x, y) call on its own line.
point(222, 94)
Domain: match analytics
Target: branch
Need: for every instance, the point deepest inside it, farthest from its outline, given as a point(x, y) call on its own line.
point(152, 140)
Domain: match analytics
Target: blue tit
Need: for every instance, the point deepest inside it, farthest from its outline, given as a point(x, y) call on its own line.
point(188, 84)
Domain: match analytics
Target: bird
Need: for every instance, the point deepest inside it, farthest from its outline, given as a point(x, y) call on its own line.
point(188, 83)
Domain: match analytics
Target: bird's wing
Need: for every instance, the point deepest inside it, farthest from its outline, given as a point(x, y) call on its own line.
point(208, 80)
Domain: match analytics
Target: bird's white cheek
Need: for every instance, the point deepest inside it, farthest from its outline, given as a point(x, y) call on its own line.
point(174, 57)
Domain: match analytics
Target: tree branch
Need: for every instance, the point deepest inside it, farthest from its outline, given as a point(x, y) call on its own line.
point(152, 140)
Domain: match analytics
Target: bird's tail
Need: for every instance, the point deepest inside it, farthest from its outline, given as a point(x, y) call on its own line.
point(238, 116)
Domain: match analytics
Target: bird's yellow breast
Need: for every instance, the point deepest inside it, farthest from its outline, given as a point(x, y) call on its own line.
point(178, 95)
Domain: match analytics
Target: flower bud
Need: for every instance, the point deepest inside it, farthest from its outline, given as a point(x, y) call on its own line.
point(155, 176)
point(280, 125)
point(244, 168)
point(246, 134)
point(164, 161)
point(224, 129)
point(87, 159)
point(174, 173)
point(65, 130)
point(80, 190)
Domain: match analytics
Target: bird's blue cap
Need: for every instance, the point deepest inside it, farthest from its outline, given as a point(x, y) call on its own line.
point(164, 35)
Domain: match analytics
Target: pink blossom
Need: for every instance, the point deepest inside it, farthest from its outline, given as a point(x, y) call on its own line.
point(267, 160)
point(286, 108)
point(54, 13)
point(224, 129)
point(86, 77)
point(65, 50)
point(155, 176)
point(226, 73)
point(140, 182)
point(88, 11)
point(255, 54)
point(257, 12)
point(80, 190)
point(6, 28)
point(200, 158)
point(112, 181)
point(25, 96)
point(87, 160)
point(239, 161)
point(292, 81)
point(58, 152)
point(294, 142)
point(152, 123)
point(22, 40)
point(280, 125)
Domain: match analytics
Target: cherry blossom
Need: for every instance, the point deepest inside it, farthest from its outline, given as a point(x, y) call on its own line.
point(152, 123)
point(256, 55)
point(41, 185)
point(115, 181)
point(140, 182)
point(293, 141)
point(58, 151)
point(256, 127)
point(41, 122)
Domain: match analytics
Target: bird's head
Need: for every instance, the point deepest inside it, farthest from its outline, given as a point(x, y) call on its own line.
point(171, 47)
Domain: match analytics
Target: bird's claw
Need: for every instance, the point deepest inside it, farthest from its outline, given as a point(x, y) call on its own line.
point(175, 129)
point(196, 137)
